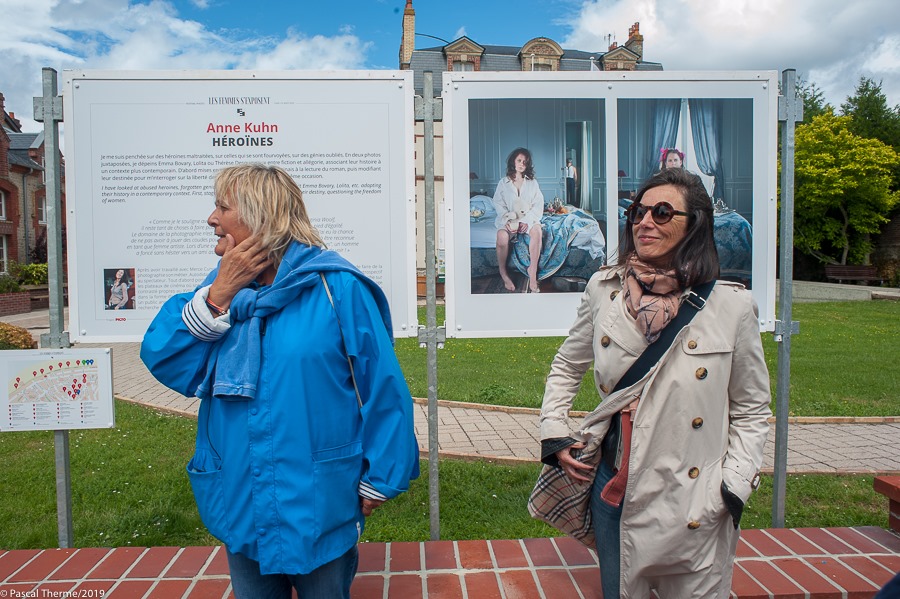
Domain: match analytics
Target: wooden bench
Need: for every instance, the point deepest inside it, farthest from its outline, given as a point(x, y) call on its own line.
point(889, 486)
point(852, 272)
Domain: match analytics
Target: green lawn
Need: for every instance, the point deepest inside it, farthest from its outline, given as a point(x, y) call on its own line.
point(130, 488)
point(843, 363)
point(129, 485)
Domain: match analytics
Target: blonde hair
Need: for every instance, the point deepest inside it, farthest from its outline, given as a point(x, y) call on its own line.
point(270, 203)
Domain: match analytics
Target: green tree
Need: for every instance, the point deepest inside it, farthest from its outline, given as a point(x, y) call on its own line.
point(813, 100)
point(871, 115)
point(843, 190)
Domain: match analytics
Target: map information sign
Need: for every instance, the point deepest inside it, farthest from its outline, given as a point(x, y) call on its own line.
point(56, 389)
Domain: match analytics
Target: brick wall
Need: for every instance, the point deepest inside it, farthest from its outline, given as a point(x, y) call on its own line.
point(15, 303)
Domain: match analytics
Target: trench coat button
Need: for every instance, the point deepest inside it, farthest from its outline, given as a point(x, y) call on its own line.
point(254, 411)
point(693, 525)
point(604, 341)
point(701, 373)
point(604, 389)
point(613, 295)
point(261, 532)
point(256, 472)
point(697, 422)
point(692, 344)
point(694, 472)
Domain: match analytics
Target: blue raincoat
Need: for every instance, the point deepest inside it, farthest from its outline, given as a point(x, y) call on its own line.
point(283, 447)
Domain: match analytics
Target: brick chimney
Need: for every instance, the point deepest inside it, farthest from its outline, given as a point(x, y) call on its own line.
point(4, 141)
point(408, 39)
point(635, 41)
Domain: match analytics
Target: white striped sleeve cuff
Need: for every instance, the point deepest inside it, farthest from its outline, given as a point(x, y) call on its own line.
point(200, 321)
point(368, 491)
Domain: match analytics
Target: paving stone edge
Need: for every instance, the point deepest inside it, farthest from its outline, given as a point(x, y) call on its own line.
point(578, 414)
point(575, 414)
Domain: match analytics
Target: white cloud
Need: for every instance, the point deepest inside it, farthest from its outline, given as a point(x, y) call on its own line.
point(115, 34)
point(317, 52)
point(830, 42)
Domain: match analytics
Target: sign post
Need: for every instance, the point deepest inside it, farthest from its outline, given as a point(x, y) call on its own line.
point(431, 336)
point(48, 109)
point(790, 112)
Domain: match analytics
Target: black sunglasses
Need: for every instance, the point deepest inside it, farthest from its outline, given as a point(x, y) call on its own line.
point(661, 213)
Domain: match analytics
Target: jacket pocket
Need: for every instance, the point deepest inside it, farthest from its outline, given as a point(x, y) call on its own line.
point(715, 503)
point(734, 504)
point(205, 473)
point(336, 472)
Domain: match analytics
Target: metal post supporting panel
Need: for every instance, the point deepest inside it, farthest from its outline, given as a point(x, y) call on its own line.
point(790, 112)
point(429, 110)
point(48, 109)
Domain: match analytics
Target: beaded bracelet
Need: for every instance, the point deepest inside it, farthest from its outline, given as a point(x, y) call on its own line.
point(215, 309)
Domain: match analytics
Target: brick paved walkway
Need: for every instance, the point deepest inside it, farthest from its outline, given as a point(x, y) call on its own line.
point(815, 563)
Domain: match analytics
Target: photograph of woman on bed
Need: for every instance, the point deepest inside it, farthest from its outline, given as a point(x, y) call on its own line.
point(519, 204)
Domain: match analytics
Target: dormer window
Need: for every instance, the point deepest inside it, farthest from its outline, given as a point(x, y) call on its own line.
point(459, 65)
point(463, 55)
point(540, 54)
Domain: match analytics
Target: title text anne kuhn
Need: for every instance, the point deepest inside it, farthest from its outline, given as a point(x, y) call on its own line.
point(46, 593)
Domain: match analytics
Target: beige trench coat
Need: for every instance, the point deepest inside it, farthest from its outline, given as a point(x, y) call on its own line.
point(702, 419)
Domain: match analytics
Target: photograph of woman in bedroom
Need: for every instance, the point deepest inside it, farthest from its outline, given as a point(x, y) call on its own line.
point(710, 137)
point(525, 235)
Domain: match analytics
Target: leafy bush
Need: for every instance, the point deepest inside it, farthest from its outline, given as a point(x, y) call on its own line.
point(8, 284)
point(29, 274)
point(13, 337)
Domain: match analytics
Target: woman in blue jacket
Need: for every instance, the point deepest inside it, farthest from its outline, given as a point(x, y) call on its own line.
point(305, 422)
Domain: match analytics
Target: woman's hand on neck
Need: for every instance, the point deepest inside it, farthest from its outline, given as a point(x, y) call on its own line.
point(241, 264)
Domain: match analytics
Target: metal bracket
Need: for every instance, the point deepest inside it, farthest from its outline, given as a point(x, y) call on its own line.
point(56, 342)
point(781, 330)
point(437, 109)
point(790, 108)
point(438, 335)
point(48, 109)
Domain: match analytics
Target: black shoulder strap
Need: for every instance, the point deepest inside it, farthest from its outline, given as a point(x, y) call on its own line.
point(693, 303)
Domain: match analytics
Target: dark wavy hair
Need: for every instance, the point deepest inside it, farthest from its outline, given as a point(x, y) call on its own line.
point(511, 163)
point(695, 260)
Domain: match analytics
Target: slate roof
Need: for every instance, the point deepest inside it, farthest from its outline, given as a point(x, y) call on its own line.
point(19, 144)
point(503, 58)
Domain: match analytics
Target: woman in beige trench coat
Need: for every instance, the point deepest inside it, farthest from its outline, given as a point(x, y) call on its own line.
point(665, 507)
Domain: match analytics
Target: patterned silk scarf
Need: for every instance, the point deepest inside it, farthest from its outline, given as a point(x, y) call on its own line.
point(651, 296)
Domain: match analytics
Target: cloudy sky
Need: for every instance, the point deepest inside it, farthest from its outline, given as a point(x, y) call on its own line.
point(830, 42)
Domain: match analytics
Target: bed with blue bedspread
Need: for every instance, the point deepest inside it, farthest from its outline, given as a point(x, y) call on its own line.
point(734, 240)
point(573, 245)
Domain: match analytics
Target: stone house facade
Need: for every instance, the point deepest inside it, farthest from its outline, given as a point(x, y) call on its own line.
point(23, 201)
